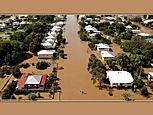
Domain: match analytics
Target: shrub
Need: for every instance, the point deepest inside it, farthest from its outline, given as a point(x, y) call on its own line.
point(91, 45)
point(61, 53)
point(38, 95)
point(26, 65)
point(84, 37)
point(117, 40)
point(126, 97)
point(21, 92)
point(42, 65)
point(32, 96)
point(144, 91)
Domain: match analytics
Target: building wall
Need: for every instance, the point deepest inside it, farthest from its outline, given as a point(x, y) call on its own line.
point(103, 49)
point(48, 56)
point(106, 58)
point(123, 84)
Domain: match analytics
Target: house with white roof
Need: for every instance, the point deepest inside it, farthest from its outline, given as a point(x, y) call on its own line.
point(23, 23)
point(120, 78)
point(90, 28)
point(46, 54)
point(53, 33)
point(149, 40)
point(92, 35)
point(109, 18)
point(51, 40)
point(48, 45)
point(106, 55)
point(136, 31)
point(149, 21)
point(56, 29)
point(82, 16)
point(50, 37)
point(143, 34)
point(16, 23)
point(89, 19)
point(60, 23)
point(102, 47)
point(22, 16)
point(128, 27)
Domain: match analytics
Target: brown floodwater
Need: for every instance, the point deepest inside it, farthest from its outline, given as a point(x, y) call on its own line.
point(75, 77)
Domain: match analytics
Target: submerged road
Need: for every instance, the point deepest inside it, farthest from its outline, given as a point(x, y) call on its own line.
point(75, 77)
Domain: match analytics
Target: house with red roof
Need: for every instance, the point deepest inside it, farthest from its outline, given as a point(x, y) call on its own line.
point(32, 81)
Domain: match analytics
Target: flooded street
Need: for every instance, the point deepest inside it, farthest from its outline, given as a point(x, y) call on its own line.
point(75, 77)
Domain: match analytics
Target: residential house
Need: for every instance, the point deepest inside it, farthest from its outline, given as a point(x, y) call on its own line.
point(32, 82)
point(60, 23)
point(128, 27)
point(143, 34)
point(106, 55)
point(149, 40)
point(147, 22)
point(120, 78)
point(46, 54)
point(90, 28)
point(48, 45)
point(102, 47)
point(136, 31)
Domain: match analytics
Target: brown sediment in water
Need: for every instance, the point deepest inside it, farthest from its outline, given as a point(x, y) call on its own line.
point(75, 78)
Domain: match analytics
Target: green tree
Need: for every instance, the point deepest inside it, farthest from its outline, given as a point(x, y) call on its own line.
point(126, 96)
point(18, 35)
point(42, 65)
point(16, 71)
point(122, 60)
point(117, 40)
point(144, 91)
point(8, 92)
point(119, 28)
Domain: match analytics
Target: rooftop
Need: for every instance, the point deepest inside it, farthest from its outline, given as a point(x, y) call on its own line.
point(149, 39)
point(28, 78)
point(33, 79)
point(147, 21)
point(107, 54)
point(49, 52)
point(119, 77)
point(143, 34)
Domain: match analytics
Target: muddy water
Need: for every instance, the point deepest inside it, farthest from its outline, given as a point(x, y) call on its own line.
point(75, 77)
